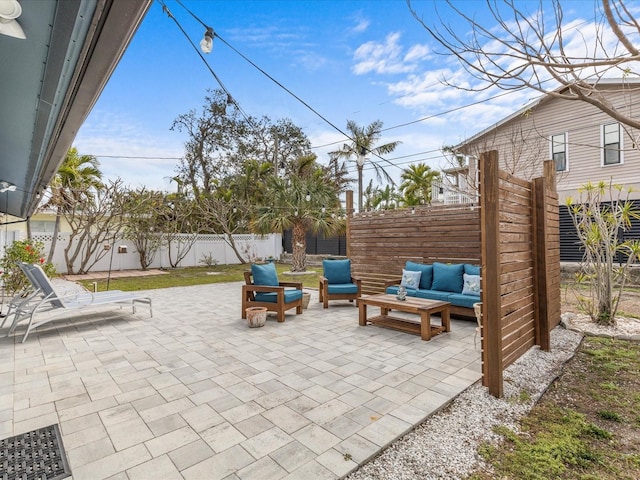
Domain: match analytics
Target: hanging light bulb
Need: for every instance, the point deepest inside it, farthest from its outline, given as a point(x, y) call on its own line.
point(324, 209)
point(308, 197)
point(206, 44)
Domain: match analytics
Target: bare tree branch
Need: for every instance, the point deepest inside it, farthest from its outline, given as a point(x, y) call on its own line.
point(521, 50)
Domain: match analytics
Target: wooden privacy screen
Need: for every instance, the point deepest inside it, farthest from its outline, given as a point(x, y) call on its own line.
point(521, 266)
point(514, 235)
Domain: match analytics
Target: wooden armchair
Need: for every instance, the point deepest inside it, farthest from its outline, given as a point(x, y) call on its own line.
point(336, 283)
point(263, 289)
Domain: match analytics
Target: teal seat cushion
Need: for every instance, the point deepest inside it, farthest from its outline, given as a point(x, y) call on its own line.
point(393, 290)
point(471, 269)
point(265, 274)
point(426, 273)
point(460, 300)
point(433, 295)
point(342, 288)
point(272, 297)
point(337, 271)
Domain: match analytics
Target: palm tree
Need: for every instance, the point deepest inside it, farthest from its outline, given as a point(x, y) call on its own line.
point(77, 175)
point(307, 200)
point(363, 140)
point(416, 184)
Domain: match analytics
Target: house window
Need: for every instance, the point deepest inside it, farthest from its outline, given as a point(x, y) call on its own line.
point(559, 151)
point(611, 144)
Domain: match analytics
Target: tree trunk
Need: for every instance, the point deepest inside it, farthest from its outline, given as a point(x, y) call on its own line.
point(299, 243)
point(54, 237)
point(360, 188)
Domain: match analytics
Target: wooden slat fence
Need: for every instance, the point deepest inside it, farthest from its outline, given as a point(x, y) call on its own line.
point(380, 243)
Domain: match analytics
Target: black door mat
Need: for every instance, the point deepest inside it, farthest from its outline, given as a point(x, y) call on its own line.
point(36, 455)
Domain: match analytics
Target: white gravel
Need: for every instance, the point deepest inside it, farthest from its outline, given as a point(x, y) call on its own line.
point(445, 445)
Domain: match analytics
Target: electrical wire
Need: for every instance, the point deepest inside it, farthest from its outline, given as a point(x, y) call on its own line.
point(278, 83)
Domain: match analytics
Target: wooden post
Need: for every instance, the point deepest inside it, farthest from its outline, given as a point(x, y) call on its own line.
point(491, 299)
point(349, 206)
point(540, 270)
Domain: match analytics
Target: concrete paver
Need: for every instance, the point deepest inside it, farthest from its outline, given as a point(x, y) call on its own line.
point(194, 393)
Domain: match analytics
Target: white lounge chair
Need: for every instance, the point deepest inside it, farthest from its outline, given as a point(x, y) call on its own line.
point(47, 300)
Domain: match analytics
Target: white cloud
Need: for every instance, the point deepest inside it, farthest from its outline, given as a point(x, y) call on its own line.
point(387, 57)
point(417, 53)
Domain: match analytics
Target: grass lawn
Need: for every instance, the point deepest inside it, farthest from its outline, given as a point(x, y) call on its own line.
point(586, 426)
point(183, 277)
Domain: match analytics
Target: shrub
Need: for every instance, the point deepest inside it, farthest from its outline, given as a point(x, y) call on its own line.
point(26, 251)
point(601, 216)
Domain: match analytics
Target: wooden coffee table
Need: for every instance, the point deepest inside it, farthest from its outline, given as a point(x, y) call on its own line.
point(424, 308)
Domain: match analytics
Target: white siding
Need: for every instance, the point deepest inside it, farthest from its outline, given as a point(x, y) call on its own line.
point(523, 143)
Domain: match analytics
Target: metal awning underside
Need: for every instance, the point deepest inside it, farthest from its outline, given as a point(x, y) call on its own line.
point(50, 81)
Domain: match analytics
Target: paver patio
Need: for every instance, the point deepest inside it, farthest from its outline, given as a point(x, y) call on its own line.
point(193, 393)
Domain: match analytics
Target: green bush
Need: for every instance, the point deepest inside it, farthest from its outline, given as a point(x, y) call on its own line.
point(22, 251)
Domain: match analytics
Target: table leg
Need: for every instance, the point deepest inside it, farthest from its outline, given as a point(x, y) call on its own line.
point(446, 319)
point(425, 324)
point(362, 313)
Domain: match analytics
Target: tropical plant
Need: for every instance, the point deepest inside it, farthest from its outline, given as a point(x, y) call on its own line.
point(26, 251)
point(416, 184)
point(600, 225)
point(305, 201)
point(75, 178)
point(363, 143)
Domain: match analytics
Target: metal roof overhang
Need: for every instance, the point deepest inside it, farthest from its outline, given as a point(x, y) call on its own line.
point(49, 83)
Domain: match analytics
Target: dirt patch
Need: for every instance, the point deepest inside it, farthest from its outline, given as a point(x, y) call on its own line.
point(629, 302)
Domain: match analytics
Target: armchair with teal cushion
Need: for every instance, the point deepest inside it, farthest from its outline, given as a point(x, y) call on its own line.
point(336, 283)
point(263, 289)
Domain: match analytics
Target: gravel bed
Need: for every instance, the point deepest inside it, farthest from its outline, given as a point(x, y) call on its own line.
point(445, 445)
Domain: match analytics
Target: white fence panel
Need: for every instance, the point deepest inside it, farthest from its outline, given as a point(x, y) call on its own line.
point(118, 258)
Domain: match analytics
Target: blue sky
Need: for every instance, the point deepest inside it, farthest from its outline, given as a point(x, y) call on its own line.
point(356, 60)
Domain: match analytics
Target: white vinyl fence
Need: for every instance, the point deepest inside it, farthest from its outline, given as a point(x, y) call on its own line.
point(122, 255)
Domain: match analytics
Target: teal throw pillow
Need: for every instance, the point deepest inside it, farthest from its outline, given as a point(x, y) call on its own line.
point(471, 269)
point(410, 279)
point(264, 274)
point(426, 273)
point(337, 271)
point(471, 284)
point(447, 277)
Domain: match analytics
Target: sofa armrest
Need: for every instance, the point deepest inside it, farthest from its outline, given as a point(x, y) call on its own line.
point(297, 285)
point(390, 283)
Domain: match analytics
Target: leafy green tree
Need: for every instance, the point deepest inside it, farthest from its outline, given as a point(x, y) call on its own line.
point(305, 201)
point(417, 181)
point(600, 226)
point(363, 143)
point(76, 178)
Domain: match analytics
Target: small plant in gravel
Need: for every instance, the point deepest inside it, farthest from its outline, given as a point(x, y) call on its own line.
point(601, 216)
point(612, 416)
point(26, 251)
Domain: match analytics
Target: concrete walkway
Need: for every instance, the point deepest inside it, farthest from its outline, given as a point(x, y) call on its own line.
point(193, 393)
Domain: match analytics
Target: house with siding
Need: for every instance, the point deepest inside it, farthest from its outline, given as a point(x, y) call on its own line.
point(586, 144)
